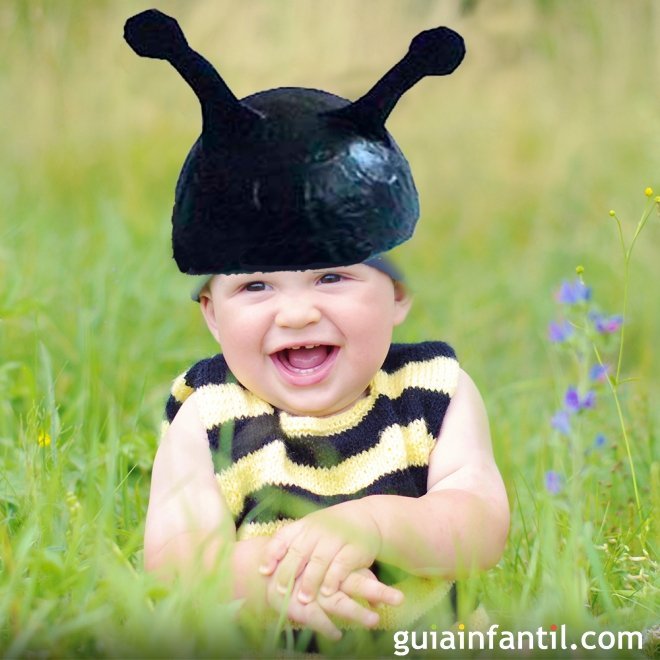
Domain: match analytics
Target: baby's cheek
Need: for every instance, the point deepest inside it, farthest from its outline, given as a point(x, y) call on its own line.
point(374, 343)
point(242, 355)
point(240, 337)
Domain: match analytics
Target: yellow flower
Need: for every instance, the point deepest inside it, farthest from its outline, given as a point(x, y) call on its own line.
point(612, 212)
point(44, 439)
point(648, 192)
point(657, 199)
point(579, 270)
point(72, 501)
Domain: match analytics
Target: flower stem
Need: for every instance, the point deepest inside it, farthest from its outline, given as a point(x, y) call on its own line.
point(640, 226)
point(626, 256)
point(625, 318)
point(627, 253)
point(613, 384)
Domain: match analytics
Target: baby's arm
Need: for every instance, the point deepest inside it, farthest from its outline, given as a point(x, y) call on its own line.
point(463, 520)
point(188, 521)
point(187, 518)
point(461, 523)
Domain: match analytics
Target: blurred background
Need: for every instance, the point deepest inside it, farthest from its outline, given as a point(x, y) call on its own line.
point(552, 120)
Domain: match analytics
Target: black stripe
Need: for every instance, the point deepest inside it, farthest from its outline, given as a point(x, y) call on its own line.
point(210, 371)
point(275, 502)
point(172, 407)
point(401, 354)
point(253, 433)
point(413, 404)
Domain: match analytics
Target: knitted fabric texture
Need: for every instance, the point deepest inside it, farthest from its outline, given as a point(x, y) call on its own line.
point(273, 467)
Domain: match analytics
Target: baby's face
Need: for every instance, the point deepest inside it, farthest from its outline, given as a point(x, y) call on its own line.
point(308, 342)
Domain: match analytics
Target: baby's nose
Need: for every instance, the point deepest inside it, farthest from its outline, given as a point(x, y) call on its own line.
point(297, 312)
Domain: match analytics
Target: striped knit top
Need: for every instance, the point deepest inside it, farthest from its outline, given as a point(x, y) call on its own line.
point(273, 467)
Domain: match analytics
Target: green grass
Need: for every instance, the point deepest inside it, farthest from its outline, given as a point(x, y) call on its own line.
point(551, 121)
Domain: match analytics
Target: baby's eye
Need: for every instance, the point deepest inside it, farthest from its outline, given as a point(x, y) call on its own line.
point(330, 278)
point(254, 286)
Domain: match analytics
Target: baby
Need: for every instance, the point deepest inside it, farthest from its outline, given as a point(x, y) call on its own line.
point(348, 478)
point(307, 358)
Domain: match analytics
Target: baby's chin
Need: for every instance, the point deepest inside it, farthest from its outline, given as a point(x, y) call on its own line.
point(312, 408)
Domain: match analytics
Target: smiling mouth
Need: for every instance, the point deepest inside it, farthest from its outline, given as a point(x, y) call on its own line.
point(304, 359)
point(305, 365)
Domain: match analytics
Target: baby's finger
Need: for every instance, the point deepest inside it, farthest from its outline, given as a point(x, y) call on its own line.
point(276, 549)
point(317, 566)
point(318, 620)
point(358, 585)
point(347, 560)
point(311, 615)
point(344, 607)
point(291, 566)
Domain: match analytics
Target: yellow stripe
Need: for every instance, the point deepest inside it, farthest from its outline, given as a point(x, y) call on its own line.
point(253, 529)
point(437, 375)
point(180, 391)
point(218, 404)
point(297, 427)
point(398, 448)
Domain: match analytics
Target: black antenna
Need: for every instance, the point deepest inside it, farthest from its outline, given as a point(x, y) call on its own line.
point(434, 52)
point(154, 34)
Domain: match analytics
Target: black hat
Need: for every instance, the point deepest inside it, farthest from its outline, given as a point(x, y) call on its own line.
point(290, 178)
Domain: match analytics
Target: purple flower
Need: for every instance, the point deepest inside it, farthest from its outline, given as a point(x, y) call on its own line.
point(574, 402)
point(600, 441)
point(599, 372)
point(588, 401)
point(559, 331)
point(553, 482)
point(571, 293)
point(606, 325)
point(561, 422)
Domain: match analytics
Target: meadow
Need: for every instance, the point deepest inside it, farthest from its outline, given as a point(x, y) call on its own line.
point(552, 121)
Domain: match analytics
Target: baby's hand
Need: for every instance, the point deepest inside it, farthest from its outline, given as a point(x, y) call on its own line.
point(322, 549)
point(341, 604)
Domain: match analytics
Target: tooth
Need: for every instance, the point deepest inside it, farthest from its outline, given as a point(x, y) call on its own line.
point(311, 346)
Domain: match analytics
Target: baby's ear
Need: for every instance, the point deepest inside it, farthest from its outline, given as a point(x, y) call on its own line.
point(208, 311)
point(402, 302)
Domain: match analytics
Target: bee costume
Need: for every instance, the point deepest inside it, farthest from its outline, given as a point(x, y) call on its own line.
point(273, 468)
point(296, 179)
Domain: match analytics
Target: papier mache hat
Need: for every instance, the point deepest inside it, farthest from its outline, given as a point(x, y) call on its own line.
point(290, 178)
